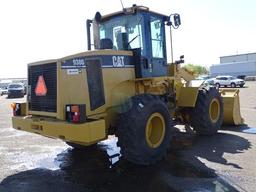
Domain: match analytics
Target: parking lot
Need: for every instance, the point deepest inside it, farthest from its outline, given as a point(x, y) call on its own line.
point(224, 162)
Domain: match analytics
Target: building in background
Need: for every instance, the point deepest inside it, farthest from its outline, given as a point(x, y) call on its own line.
point(236, 65)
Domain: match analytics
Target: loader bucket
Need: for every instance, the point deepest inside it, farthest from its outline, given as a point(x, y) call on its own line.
point(231, 107)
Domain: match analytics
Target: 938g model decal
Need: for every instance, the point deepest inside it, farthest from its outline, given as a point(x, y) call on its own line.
point(107, 61)
point(76, 63)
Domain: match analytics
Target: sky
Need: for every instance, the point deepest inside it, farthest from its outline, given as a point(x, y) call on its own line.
point(34, 30)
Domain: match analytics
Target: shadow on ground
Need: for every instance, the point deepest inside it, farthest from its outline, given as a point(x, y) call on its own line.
point(98, 170)
point(213, 148)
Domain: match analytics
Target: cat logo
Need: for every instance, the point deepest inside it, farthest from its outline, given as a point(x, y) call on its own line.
point(41, 89)
point(118, 61)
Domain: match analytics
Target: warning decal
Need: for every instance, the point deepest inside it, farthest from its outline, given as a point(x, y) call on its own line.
point(41, 89)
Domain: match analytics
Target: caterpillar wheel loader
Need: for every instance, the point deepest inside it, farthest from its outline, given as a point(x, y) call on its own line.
point(124, 86)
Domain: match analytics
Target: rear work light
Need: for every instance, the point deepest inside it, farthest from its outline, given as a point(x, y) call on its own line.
point(75, 113)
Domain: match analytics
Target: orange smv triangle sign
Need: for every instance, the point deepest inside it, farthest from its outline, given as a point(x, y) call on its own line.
point(41, 88)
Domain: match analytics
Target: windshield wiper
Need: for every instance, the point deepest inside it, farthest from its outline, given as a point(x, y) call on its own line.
point(132, 40)
point(136, 35)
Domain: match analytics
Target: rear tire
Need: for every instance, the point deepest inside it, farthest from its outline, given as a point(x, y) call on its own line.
point(207, 115)
point(144, 131)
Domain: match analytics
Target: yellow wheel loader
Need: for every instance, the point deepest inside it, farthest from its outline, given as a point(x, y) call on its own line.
point(124, 86)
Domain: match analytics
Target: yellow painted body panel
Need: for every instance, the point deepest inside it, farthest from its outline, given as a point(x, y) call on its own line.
point(187, 96)
point(23, 109)
point(73, 89)
point(232, 114)
point(118, 83)
point(84, 133)
point(42, 113)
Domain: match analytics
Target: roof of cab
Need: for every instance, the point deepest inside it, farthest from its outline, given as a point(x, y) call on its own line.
point(130, 10)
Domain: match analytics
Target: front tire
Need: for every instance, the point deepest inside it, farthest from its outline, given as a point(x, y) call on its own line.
point(144, 131)
point(207, 115)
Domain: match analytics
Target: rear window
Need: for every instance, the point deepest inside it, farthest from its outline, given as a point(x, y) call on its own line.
point(15, 86)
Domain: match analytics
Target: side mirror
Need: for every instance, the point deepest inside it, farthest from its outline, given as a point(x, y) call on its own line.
point(173, 20)
point(177, 21)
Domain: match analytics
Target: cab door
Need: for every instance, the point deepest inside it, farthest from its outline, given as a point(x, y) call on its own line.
point(158, 48)
point(151, 58)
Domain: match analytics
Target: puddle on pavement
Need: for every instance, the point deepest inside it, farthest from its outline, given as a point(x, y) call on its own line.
point(102, 168)
point(250, 130)
point(49, 163)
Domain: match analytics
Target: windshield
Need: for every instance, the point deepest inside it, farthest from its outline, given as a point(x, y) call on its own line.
point(124, 31)
point(14, 86)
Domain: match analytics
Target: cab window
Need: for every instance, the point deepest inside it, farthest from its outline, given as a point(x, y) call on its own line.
point(125, 32)
point(156, 37)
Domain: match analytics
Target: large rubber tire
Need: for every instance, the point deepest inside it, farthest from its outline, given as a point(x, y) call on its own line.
point(207, 115)
point(132, 132)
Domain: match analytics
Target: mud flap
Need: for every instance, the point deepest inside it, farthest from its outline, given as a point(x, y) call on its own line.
point(231, 105)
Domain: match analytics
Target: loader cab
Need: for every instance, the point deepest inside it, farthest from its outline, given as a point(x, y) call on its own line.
point(138, 30)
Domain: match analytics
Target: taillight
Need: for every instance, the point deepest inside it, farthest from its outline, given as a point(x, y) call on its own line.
point(16, 109)
point(75, 113)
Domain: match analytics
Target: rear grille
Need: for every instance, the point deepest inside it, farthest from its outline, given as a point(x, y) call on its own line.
point(45, 103)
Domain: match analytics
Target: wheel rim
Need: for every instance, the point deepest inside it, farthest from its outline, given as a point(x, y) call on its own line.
point(233, 85)
point(155, 130)
point(214, 110)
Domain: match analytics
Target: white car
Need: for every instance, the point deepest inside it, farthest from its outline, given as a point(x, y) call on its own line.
point(228, 80)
